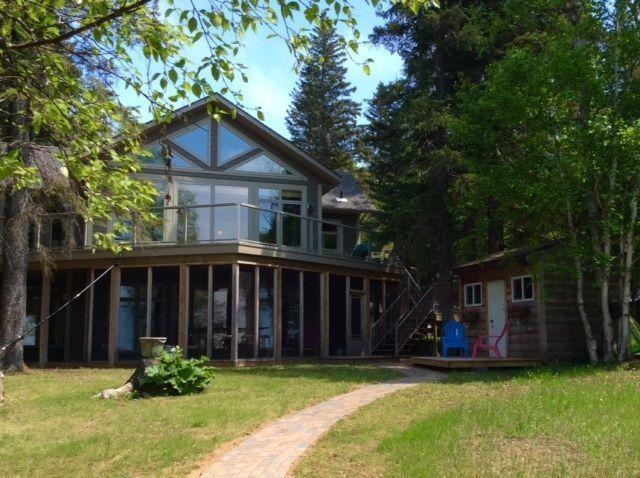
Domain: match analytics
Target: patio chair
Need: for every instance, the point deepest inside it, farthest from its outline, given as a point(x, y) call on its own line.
point(384, 254)
point(454, 338)
point(362, 250)
point(483, 342)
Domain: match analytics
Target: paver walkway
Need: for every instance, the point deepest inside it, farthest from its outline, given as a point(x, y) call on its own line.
point(271, 451)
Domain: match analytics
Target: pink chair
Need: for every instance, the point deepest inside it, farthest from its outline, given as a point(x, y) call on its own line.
point(483, 342)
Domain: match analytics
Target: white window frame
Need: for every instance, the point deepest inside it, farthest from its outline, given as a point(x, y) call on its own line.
point(513, 288)
point(472, 285)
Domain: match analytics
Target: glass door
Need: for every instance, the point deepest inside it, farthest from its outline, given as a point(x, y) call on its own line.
point(225, 218)
point(194, 223)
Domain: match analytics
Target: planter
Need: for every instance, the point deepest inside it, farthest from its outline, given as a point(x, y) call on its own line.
point(151, 347)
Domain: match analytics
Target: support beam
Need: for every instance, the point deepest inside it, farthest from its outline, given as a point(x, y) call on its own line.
point(45, 300)
point(68, 292)
point(256, 310)
point(324, 314)
point(149, 300)
point(301, 314)
point(277, 283)
point(183, 308)
point(368, 319)
point(210, 311)
point(235, 309)
point(88, 317)
point(347, 314)
point(114, 307)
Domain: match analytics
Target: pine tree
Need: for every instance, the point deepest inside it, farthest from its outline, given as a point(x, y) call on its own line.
point(322, 118)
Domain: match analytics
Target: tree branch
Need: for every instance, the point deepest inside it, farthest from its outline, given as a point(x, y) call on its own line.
point(119, 12)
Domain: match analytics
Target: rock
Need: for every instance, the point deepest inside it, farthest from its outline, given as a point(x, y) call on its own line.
point(126, 389)
point(134, 383)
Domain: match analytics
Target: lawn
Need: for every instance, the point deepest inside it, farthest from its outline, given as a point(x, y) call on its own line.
point(550, 422)
point(50, 426)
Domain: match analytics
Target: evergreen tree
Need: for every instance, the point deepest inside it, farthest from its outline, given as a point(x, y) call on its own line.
point(322, 118)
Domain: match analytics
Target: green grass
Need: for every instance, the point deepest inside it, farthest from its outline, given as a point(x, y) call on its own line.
point(50, 426)
point(554, 422)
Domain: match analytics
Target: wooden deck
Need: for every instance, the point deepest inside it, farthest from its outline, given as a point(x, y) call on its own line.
point(471, 363)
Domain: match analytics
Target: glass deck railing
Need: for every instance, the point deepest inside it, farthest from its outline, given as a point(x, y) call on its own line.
point(216, 223)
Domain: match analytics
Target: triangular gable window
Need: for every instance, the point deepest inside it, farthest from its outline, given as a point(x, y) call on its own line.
point(231, 145)
point(262, 164)
point(177, 161)
point(195, 141)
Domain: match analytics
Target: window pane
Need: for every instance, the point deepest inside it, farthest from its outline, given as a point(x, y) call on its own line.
point(195, 141)
point(231, 145)
point(291, 195)
point(198, 219)
point(291, 227)
point(246, 313)
point(262, 164)
point(290, 313)
point(268, 223)
point(221, 333)
point(226, 217)
point(517, 289)
point(528, 287)
point(268, 194)
point(198, 302)
point(177, 161)
point(468, 290)
point(477, 296)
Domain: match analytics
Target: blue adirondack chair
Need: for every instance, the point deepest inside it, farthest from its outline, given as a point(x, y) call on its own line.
point(454, 338)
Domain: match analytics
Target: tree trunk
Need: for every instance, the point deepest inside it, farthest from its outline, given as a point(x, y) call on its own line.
point(13, 286)
point(623, 339)
point(592, 345)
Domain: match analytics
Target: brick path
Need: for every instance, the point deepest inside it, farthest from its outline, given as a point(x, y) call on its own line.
point(270, 452)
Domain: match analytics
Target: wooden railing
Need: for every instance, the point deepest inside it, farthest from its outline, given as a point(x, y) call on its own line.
point(410, 322)
point(386, 323)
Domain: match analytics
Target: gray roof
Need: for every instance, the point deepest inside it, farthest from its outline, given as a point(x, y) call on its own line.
point(348, 196)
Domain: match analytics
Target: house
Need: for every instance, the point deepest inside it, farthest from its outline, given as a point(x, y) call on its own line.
point(524, 288)
point(253, 258)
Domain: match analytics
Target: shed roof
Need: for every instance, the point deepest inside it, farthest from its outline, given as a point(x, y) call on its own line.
point(503, 256)
point(348, 196)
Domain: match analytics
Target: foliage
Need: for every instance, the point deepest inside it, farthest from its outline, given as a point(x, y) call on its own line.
point(322, 117)
point(176, 375)
point(61, 66)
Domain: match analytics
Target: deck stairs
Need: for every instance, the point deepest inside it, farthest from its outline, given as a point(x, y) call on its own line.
point(394, 333)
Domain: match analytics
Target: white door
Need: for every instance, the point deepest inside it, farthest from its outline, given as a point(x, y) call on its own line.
point(497, 314)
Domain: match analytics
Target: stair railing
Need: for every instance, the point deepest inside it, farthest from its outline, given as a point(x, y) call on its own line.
point(409, 323)
point(386, 322)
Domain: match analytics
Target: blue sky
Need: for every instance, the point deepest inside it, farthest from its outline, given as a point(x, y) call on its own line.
point(272, 77)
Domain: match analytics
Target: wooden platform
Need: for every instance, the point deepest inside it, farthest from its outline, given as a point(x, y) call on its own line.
point(471, 363)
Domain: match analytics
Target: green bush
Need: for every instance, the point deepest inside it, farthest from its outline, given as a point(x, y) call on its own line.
point(175, 375)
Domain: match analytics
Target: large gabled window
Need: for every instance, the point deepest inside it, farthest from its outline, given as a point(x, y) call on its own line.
point(194, 140)
point(231, 145)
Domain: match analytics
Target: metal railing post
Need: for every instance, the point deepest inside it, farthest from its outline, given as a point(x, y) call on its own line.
point(186, 225)
point(238, 216)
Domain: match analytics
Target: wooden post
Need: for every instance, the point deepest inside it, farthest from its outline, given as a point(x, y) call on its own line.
point(324, 315)
point(347, 314)
point(149, 300)
point(367, 322)
point(210, 311)
point(88, 317)
point(256, 310)
point(67, 317)
point(301, 308)
point(183, 309)
point(235, 308)
point(277, 283)
point(45, 299)
point(114, 308)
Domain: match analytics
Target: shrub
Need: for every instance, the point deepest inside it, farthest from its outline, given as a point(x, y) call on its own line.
point(175, 375)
